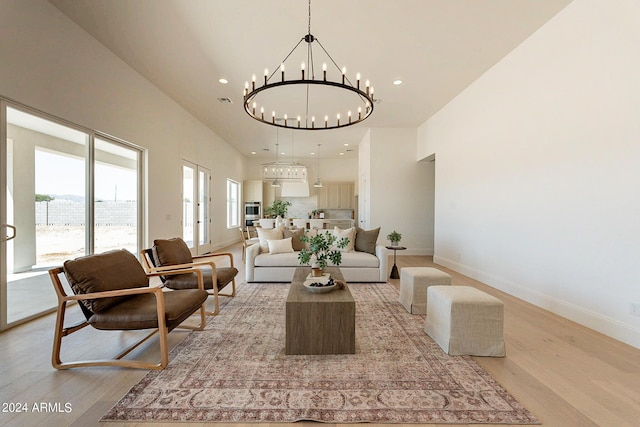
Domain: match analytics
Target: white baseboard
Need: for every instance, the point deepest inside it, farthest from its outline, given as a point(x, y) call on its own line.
point(596, 321)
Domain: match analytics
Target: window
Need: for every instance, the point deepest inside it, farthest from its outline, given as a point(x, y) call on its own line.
point(233, 204)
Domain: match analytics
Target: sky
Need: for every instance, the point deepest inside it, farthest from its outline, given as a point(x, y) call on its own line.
point(59, 175)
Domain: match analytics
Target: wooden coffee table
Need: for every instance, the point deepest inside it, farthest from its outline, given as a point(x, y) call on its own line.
point(319, 323)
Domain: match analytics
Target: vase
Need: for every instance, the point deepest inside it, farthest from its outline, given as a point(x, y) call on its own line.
point(316, 270)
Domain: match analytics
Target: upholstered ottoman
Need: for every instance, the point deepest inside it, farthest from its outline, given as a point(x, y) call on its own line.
point(414, 282)
point(465, 321)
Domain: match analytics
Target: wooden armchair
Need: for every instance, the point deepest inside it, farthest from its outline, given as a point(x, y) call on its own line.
point(113, 293)
point(167, 255)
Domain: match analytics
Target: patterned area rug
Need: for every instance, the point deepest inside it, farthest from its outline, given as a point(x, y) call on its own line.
point(236, 371)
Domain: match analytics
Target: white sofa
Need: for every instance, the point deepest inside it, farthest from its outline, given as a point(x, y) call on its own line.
point(355, 266)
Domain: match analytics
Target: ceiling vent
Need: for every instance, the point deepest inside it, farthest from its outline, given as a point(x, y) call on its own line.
point(225, 100)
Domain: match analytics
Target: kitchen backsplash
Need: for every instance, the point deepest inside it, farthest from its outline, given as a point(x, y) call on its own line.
point(301, 207)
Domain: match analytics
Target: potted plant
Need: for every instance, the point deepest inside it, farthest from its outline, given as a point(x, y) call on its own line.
point(277, 208)
point(322, 249)
point(394, 237)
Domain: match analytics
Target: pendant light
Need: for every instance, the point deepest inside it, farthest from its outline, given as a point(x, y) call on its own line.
point(318, 183)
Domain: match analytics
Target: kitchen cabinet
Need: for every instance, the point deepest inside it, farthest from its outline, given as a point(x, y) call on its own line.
point(336, 195)
point(253, 191)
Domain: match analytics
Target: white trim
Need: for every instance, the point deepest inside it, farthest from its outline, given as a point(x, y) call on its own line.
point(590, 319)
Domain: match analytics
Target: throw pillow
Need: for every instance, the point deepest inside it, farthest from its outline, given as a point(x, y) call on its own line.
point(265, 234)
point(310, 234)
point(366, 240)
point(349, 233)
point(295, 235)
point(280, 246)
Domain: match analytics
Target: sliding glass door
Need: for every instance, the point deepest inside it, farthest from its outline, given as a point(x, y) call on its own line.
point(65, 193)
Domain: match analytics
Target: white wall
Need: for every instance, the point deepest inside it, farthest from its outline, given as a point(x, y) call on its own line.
point(51, 64)
point(400, 189)
point(537, 176)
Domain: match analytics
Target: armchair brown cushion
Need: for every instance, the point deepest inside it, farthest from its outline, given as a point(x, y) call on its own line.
point(190, 281)
point(108, 271)
point(140, 311)
point(171, 252)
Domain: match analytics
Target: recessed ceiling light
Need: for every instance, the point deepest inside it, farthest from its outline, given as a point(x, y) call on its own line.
point(253, 152)
point(346, 145)
point(312, 153)
point(397, 82)
point(342, 154)
point(223, 81)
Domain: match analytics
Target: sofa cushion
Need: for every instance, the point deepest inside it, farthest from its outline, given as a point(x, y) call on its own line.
point(289, 259)
point(359, 259)
point(280, 246)
point(349, 233)
point(265, 234)
point(171, 252)
point(295, 235)
point(108, 271)
point(349, 259)
point(366, 240)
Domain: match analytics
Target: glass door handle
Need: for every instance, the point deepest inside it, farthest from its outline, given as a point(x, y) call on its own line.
point(7, 238)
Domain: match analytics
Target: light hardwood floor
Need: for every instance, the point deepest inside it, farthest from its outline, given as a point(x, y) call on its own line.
point(567, 375)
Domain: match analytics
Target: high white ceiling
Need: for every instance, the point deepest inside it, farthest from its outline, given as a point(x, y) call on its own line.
point(437, 48)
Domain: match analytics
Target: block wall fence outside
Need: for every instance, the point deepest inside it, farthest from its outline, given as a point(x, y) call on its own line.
point(67, 212)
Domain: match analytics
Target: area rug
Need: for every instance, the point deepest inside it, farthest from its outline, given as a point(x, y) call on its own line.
point(236, 371)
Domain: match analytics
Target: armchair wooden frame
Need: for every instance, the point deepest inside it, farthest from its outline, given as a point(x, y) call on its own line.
point(62, 331)
point(146, 255)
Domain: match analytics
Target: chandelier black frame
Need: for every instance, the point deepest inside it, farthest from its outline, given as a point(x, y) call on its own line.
point(305, 122)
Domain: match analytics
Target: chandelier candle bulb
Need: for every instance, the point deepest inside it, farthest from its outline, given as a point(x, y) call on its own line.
point(358, 81)
point(302, 69)
point(282, 70)
point(273, 117)
point(254, 108)
point(326, 120)
point(359, 113)
point(324, 71)
point(266, 75)
point(338, 117)
point(262, 112)
point(344, 71)
point(313, 122)
point(285, 120)
point(253, 82)
point(298, 121)
point(349, 114)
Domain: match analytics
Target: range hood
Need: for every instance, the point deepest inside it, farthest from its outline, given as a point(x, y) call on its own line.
point(295, 189)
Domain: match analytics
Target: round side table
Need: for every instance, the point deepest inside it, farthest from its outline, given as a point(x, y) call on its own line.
point(394, 270)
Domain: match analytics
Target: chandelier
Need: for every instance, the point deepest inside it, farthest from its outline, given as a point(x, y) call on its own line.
point(305, 102)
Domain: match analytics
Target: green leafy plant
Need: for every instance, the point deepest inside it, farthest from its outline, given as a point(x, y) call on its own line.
point(321, 247)
point(44, 198)
point(394, 237)
point(278, 207)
